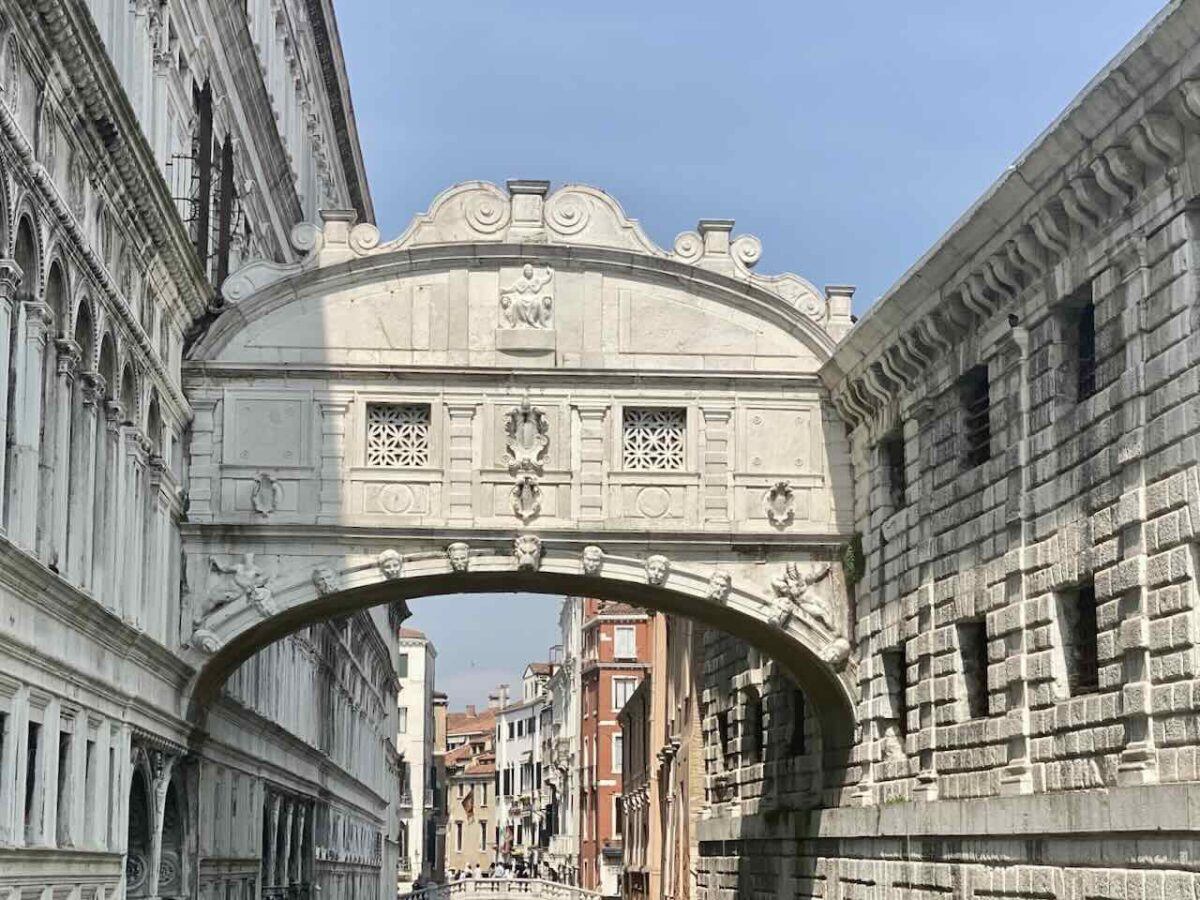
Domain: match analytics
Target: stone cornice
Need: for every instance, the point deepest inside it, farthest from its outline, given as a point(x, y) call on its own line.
point(236, 43)
point(1123, 133)
point(337, 91)
point(74, 35)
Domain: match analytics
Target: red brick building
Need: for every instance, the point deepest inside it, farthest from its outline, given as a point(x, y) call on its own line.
point(615, 658)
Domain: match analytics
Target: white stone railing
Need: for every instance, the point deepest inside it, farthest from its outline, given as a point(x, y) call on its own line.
point(501, 889)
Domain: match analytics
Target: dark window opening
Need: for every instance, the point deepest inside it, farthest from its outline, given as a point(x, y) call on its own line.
point(33, 771)
point(976, 404)
point(1085, 349)
point(1077, 617)
point(895, 673)
point(892, 451)
point(798, 745)
point(973, 652)
point(723, 733)
point(64, 785)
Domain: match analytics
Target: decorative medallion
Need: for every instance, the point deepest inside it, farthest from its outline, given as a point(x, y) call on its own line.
point(459, 555)
point(527, 550)
point(266, 495)
point(653, 502)
point(593, 560)
point(779, 504)
point(528, 437)
point(390, 563)
point(657, 569)
point(528, 302)
point(526, 496)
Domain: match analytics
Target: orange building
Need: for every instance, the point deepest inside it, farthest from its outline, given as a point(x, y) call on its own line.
point(615, 658)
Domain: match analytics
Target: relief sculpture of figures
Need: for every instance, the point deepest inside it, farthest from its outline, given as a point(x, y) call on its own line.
point(527, 302)
point(793, 593)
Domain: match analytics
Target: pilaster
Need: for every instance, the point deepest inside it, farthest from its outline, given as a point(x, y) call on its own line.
point(333, 457)
point(714, 466)
point(10, 280)
point(460, 478)
point(589, 479)
point(34, 326)
point(66, 368)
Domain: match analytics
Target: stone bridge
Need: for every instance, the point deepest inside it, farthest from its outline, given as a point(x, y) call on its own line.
point(521, 392)
point(502, 889)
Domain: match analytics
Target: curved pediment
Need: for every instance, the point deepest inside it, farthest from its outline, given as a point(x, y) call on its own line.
point(457, 277)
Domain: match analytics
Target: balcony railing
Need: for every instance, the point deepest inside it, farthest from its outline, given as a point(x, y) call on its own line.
point(502, 889)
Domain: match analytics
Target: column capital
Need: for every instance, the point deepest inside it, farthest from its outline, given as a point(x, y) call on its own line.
point(69, 355)
point(38, 319)
point(717, 412)
point(11, 277)
point(461, 409)
point(94, 385)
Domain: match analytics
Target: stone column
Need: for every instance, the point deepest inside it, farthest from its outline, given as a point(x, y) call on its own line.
point(714, 465)
point(109, 557)
point(27, 425)
point(134, 464)
point(297, 872)
point(154, 583)
point(269, 852)
point(162, 764)
point(285, 854)
point(589, 481)
point(68, 353)
point(10, 280)
point(333, 457)
point(460, 457)
point(82, 475)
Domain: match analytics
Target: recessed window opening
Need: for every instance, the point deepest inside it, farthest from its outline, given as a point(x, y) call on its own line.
point(895, 674)
point(1085, 349)
point(1078, 628)
point(892, 450)
point(974, 391)
point(973, 652)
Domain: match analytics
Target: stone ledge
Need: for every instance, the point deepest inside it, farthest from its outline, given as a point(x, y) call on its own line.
point(1143, 809)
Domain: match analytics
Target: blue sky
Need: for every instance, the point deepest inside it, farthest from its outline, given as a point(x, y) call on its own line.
point(848, 136)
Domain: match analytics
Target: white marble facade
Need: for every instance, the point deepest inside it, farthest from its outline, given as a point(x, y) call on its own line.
point(106, 790)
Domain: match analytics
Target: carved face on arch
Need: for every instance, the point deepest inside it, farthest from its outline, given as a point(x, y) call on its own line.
point(719, 584)
point(527, 549)
point(593, 559)
point(459, 555)
point(657, 568)
point(325, 580)
point(390, 564)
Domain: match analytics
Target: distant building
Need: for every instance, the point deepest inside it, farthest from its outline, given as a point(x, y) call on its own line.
point(616, 655)
point(470, 762)
point(560, 748)
point(415, 661)
point(521, 838)
point(663, 765)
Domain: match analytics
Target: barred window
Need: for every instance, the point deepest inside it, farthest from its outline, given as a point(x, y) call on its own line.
point(398, 435)
point(892, 451)
point(1085, 350)
point(653, 438)
point(977, 428)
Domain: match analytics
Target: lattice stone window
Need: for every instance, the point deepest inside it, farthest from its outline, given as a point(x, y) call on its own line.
point(398, 434)
point(653, 438)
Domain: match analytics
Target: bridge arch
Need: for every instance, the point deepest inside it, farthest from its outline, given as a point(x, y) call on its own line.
point(522, 392)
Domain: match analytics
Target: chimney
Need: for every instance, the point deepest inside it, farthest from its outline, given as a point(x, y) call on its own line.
point(470, 709)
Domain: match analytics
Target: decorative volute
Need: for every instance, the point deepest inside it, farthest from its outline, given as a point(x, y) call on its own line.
point(477, 212)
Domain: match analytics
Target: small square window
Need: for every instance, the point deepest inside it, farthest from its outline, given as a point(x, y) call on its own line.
point(652, 439)
point(973, 656)
point(398, 435)
point(1078, 631)
point(976, 405)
